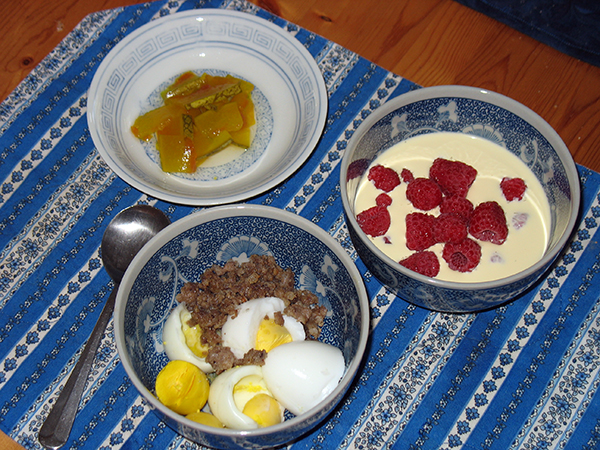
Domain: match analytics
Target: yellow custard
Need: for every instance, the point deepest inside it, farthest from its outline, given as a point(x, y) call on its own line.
point(528, 219)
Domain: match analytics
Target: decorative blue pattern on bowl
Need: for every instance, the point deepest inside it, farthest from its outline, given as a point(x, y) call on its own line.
point(488, 115)
point(189, 247)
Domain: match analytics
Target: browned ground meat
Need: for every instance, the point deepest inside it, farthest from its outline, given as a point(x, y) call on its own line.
point(221, 289)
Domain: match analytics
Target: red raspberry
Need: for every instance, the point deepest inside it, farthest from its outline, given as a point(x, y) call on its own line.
point(407, 175)
point(356, 169)
point(426, 263)
point(384, 178)
point(424, 193)
point(513, 188)
point(462, 257)
point(488, 223)
point(383, 200)
point(453, 177)
point(374, 221)
point(419, 231)
point(457, 205)
point(450, 228)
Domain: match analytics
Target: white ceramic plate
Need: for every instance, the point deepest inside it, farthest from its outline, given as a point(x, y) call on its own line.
point(290, 102)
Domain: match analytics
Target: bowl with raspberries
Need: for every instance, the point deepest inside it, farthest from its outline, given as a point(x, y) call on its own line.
point(458, 199)
point(242, 326)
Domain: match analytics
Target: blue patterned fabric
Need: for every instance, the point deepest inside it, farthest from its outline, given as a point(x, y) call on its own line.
point(521, 376)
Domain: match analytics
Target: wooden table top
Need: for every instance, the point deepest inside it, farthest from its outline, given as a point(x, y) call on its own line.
point(430, 42)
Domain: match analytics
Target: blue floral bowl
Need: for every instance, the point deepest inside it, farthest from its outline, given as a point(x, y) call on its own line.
point(478, 112)
point(185, 249)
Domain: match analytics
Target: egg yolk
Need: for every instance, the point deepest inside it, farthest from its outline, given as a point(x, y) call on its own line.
point(271, 335)
point(182, 387)
point(193, 337)
point(205, 419)
point(264, 410)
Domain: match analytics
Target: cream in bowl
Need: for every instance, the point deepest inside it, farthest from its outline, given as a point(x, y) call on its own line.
point(527, 218)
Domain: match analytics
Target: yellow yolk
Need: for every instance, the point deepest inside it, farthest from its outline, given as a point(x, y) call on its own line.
point(264, 410)
point(205, 419)
point(182, 387)
point(252, 397)
point(271, 335)
point(193, 337)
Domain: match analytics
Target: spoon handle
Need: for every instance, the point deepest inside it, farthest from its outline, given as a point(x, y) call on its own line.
point(56, 428)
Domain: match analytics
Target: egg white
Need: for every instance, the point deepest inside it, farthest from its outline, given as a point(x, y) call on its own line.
point(239, 332)
point(221, 401)
point(301, 374)
point(174, 339)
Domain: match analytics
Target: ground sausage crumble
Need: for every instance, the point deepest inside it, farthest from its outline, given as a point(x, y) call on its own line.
point(222, 288)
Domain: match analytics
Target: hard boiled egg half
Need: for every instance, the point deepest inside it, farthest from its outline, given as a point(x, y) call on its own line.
point(301, 374)
point(254, 327)
point(182, 342)
point(240, 399)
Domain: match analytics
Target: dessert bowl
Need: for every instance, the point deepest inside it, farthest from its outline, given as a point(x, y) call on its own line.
point(476, 112)
point(184, 250)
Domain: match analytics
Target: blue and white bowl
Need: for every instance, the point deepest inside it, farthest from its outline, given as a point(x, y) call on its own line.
point(290, 100)
point(485, 114)
point(185, 249)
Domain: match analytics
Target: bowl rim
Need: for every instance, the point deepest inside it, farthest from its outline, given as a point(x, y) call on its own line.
point(292, 164)
point(507, 103)
point(208, 215)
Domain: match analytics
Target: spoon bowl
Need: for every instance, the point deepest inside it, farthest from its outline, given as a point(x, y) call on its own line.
point(123, 238)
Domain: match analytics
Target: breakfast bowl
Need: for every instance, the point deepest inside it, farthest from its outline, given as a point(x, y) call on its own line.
point(499, 138)
point(183, 251)
point(289, 97)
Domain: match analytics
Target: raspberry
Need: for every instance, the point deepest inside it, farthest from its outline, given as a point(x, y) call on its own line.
point(450, 228)
point(488, 223)
point(453, 177)
point(457, 205)
point(513, 188)
point(462, 257)
point(374, 221)
point(384, 178)
point(426, 263)
point(419, 231)
point(356, 169)
point(406, 175)
point(383, 200)
point(424, 193)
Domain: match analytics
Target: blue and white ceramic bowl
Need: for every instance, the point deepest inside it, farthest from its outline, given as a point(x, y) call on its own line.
point(290, 102)
point(188, 247)
point(478, 112)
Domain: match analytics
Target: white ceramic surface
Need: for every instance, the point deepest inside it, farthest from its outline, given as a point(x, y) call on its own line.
point(290, 98)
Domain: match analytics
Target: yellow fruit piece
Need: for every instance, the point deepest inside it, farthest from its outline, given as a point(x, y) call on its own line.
point(155, 120)
point(193, 339)
point(242, 138)
point(264, 410)
point(205, 419)
point(182, 387)
point(201, 116)
point(176, 146)
point(271, 335)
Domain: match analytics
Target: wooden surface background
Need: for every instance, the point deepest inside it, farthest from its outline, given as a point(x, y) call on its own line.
point(430, 42)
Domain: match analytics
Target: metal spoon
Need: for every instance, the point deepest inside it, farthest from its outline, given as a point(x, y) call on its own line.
point(124, 237)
